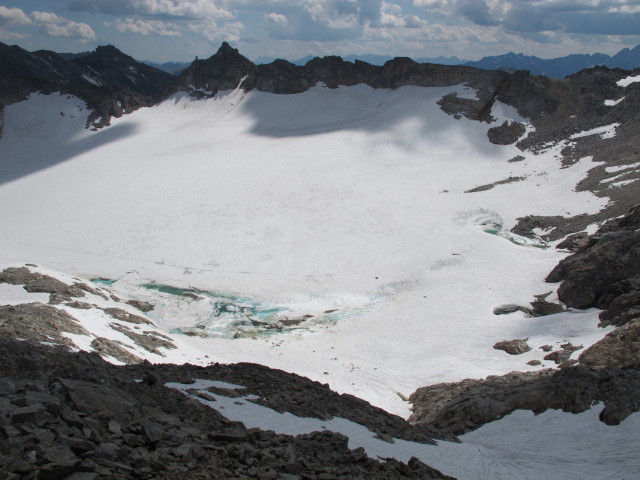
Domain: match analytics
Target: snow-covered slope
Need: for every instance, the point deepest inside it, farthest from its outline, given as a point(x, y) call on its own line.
point(520, 446)
point(345, 209)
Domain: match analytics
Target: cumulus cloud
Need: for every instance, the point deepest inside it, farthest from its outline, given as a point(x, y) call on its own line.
point(275, 18)
point(321, 20)
point(7, 36)
point(146, 27)
point(229, 31)
point(46, 17)
point(13, 16)
point(598, 17)
point(47, 23)
point(195, 9)
point(68, 29)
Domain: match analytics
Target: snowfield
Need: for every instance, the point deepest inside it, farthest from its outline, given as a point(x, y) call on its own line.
point(350, 199)
point(346, 208)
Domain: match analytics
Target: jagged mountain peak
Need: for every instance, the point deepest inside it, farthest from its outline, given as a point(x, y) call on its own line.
point(226, 49)
point(105, 55)
point(226, 54)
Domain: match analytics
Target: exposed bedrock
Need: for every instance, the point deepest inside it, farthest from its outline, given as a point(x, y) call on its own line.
point(460, 407)
point(506, 134)
point(67, 414)
point(605, 271)
point(595, 276)
point(227, 68)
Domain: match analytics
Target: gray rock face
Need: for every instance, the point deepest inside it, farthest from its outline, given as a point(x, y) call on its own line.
point(506, 134)
point(620, 348)
point(36, 322)
point(605, 273)
point(119, 83)
point(460, 407)
point(589, 276)
point(37, 282)
point(227, 68)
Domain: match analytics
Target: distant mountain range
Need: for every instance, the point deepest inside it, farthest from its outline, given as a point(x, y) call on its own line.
point(175, 68)
point(371, 59)
point(627, 59)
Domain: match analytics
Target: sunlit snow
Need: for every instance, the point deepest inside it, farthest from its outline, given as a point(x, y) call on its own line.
point(341, 206)
point(625, 82)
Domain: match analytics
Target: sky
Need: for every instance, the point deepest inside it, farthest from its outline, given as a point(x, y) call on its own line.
point(179, 30)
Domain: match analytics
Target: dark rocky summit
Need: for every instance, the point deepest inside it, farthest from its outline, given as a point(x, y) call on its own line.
point(227, 68)
point(110, 82)
point(75, 416)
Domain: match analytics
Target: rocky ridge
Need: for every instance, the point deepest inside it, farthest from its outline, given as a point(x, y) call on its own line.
point(558, 111)
point(110, 82)
point(460, 407)
point(75, 416)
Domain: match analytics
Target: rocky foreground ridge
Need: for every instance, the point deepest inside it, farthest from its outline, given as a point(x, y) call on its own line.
point(75, 416)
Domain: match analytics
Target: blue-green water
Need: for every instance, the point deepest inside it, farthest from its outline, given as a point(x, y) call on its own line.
point(103, 281)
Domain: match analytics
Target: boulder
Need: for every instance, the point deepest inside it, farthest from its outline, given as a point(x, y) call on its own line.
point(513, 347)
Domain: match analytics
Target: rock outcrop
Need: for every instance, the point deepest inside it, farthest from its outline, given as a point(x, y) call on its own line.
point(605, 273)
point(457, 408)
point(110, 82)
point(66, 415)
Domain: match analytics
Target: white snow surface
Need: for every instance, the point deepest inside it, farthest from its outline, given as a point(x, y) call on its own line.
point(619, 168)
point(606, 131)
point(348, 199)
point(613, 103)
point(625, 82)
point(16, 295)
point(553, 444)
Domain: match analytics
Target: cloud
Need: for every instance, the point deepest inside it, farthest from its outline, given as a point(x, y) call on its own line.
point(597, 17)
point(47, 23)
point(193, 9)
point(46, 17)
point(68, 29)
point(7, 36)
point(13, 16)
point(275, 18)
point(321, 20)
point(229, 31)
point(146, 27)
